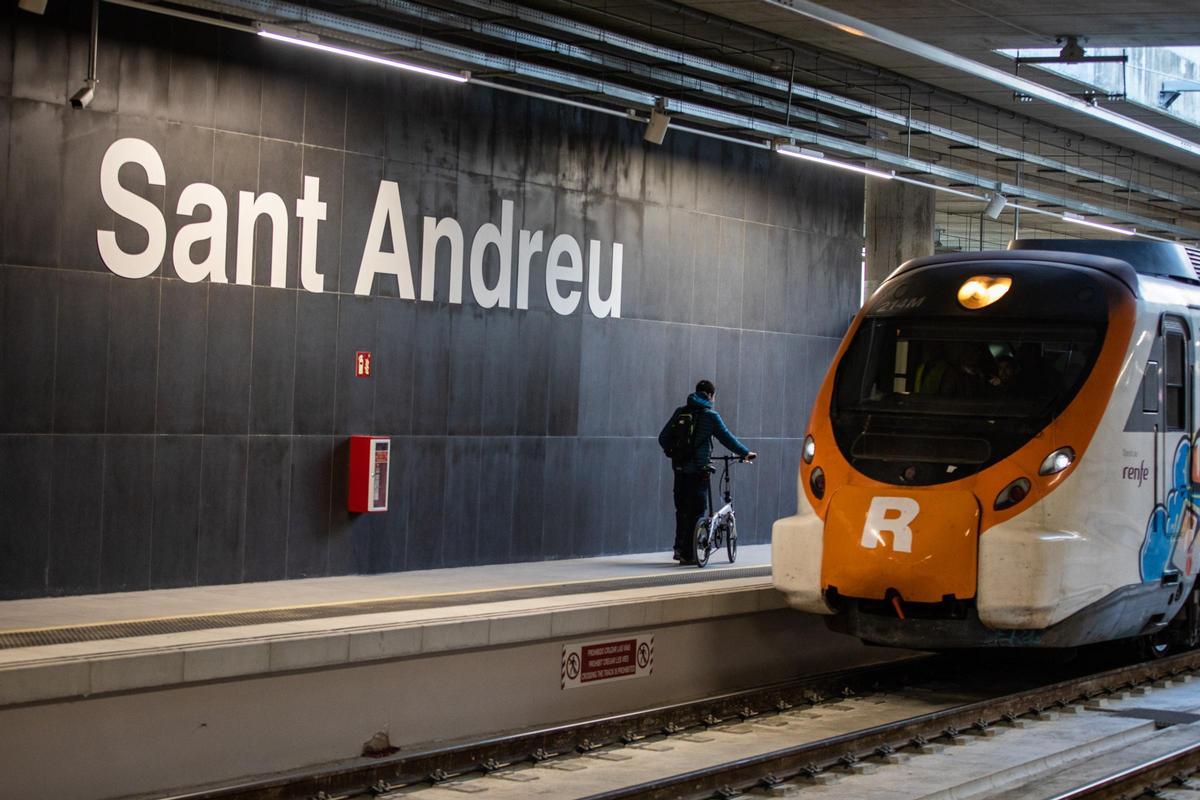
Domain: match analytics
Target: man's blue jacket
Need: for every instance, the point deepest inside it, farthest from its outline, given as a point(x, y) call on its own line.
point(708, 425)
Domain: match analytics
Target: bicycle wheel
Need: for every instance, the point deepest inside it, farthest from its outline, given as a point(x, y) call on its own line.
point(703, 541)
point(731, 540)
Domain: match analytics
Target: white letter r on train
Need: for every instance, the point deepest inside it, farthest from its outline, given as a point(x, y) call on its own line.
point(892, 514)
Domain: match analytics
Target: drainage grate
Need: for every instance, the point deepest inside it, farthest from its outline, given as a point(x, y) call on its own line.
point(200, 622)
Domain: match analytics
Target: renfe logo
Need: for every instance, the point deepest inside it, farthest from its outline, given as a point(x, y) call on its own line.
point(891, 514)
point(564, 262)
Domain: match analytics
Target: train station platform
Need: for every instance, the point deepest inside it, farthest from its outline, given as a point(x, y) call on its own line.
point(211, 684)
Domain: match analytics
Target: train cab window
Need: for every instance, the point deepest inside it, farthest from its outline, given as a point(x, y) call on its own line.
point(1175, 394)
point(932, 400)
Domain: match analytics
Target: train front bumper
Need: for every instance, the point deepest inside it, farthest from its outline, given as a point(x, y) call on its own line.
point(797, 543)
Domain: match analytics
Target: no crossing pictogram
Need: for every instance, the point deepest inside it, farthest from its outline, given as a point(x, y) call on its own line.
point(600, 662)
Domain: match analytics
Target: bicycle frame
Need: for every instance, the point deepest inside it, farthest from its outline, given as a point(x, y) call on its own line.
point(726, 492)
point(718, 526)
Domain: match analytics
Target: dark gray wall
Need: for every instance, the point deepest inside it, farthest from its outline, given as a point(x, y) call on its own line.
point(159, 433)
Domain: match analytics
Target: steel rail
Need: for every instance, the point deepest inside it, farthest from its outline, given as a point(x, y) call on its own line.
point(485, 755)
point(1150, 774)
point(786, 763)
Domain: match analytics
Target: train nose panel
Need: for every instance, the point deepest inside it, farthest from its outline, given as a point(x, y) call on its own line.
point(922, 544)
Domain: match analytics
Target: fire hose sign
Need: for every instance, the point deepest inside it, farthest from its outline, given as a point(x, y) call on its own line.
point(599, 662)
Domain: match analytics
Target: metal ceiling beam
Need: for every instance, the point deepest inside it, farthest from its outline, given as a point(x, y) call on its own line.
point(675, 80)
point(900, 162)
point(580, 30)
point(863, 29)
point(338, 26)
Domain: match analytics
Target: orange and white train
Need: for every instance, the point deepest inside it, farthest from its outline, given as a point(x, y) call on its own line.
point(1002, 454)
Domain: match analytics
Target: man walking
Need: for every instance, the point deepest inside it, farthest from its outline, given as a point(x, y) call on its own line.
point(687, 440)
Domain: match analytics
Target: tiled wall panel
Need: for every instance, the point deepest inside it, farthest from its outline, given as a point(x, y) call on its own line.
point(159, 432)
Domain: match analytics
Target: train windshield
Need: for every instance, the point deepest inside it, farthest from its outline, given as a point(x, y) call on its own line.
point(928, 401)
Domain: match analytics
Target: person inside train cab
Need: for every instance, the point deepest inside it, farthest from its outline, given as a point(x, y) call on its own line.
point(932, 370)
point(1007, 372)
point(687, 441)
point(971, 370)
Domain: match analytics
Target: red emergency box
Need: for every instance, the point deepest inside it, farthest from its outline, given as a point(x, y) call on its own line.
point(369, 458)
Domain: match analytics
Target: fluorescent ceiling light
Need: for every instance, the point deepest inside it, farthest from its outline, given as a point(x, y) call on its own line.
point(1079, 220)
point(793, 151)
point(457, 77)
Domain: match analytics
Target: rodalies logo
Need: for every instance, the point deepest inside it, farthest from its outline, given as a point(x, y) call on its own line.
point(893, 515)
point(564, 258)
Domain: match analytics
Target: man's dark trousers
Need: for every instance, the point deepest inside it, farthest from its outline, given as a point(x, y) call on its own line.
point(691, 502)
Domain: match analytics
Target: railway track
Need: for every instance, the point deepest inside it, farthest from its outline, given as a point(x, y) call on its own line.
point(846, 726)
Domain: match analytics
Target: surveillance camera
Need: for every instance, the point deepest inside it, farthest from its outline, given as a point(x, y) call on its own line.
point(83, 98)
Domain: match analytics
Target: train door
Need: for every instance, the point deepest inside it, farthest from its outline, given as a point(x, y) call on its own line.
point(1173, 445)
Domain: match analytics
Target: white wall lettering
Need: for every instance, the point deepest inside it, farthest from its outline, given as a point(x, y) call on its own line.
point(310, 210)
point(388, 211)
point(601, 307)
point(250, 208)
point(136, 209)
point(213, 229)
point(530, 245)
point(565, 273)
point(434, 231)
point(501, 238)
point(556, 272)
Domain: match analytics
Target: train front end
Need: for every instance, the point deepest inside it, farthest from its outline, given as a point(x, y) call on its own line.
point(966, 393)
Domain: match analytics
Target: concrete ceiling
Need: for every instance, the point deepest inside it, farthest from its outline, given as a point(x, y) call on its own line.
point(975, 29)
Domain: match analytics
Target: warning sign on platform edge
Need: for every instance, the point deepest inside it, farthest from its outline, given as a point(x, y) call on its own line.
point(590, 663)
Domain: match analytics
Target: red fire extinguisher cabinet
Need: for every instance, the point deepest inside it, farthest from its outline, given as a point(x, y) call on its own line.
point(369, 461)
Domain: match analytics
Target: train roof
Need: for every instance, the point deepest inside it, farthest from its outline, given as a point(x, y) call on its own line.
point(1124, 260)
point(1161, 259)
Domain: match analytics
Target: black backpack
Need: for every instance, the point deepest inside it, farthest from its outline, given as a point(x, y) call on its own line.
point(680, 441)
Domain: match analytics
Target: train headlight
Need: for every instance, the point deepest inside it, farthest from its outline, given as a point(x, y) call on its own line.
point(817, 482)
point(1012, 494)
point(983, 290)
point(1057, 461)
point(810, 449)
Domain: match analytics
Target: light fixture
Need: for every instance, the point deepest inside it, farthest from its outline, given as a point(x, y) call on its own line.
point(792, 151)
point(1057, 461)
point(983, 290)
point(1078, 219)
point(995, 206)
point(656, 128)
point(33, 6)
point(1012, 494)
point(816, 482)
point(293, 37)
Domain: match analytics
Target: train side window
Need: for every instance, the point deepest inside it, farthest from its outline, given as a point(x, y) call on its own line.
point(1175, 394)
point(1150, 388)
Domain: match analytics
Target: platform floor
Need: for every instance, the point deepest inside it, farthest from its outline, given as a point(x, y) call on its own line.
point(61, 647)
point(430, 590)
